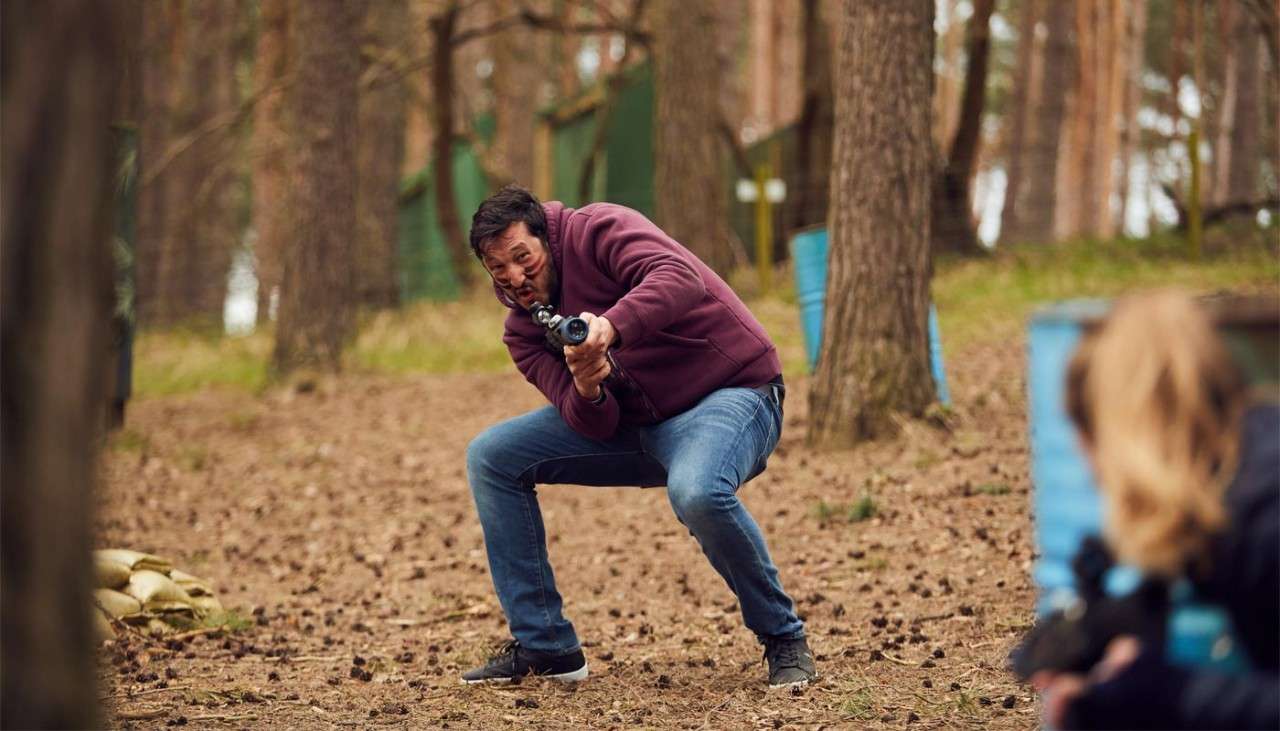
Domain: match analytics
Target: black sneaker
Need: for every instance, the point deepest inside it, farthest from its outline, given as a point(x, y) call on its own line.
point(514, 662)
point(790, 662)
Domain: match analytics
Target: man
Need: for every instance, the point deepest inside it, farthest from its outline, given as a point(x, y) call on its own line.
point(676, 384)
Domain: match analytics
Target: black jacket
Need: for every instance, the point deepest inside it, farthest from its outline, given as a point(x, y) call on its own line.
point(1245, 579)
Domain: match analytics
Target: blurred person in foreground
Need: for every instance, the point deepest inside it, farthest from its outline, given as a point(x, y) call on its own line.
point(677, 384)
point(1189, 471)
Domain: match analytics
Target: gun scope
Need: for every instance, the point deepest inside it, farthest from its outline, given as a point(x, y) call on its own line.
point(560, 330)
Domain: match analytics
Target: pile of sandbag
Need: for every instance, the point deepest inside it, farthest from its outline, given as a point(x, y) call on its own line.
point(147, 591)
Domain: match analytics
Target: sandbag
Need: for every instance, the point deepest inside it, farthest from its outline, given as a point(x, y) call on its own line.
point(206, 605)
point(116, 604)
point(193, 585)
point(156, 591)
point(110, 574)
point(102, 629)
point(135, 560)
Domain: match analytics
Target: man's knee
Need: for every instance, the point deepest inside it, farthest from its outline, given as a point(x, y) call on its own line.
point(485, 453)
point(696, 501)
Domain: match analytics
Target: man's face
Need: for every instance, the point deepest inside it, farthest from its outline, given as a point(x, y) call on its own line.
point(521, 265)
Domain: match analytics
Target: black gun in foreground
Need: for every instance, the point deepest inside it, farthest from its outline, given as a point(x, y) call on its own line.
point(561, 330)
point(1074, 639)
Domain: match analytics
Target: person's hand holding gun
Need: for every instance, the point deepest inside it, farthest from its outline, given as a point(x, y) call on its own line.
point(589, 361)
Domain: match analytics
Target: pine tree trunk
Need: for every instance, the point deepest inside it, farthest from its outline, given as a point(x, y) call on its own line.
point(379, 153)
point(1019, 131)
point(443, 27)
point(691, 200)
point(270, 147)
point(1246, 153)
point(155, 133)
point(1131, 133)
point(953, 225)
point(817, 117)
point(515, 88)
point(58, 80)
point(874, 359)
point(1038, 215)
point(316, 304)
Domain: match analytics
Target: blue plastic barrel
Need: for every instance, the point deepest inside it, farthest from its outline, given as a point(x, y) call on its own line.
point(1067, 504)
point(809, 257)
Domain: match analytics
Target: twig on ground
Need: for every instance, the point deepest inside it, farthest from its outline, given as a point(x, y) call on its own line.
point(898, 660)
point(149, 691)
point(143, 715)
point(224, 717)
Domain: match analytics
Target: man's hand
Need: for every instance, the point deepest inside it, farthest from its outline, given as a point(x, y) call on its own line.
point(587, 361)
point(1059, 690)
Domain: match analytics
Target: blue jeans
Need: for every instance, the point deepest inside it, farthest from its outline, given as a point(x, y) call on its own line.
point(702, 456)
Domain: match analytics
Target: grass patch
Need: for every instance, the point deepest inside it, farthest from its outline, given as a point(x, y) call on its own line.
point(860, 705)
point(859, 510)
point(992, 488)
point(980, 300)
point(129, 440)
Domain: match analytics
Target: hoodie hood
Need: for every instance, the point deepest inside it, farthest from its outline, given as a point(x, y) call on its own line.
point(556, 213)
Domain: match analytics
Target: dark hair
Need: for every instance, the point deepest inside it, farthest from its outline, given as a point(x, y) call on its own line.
point(509, 205)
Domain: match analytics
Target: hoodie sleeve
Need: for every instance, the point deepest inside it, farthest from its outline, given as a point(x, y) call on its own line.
point(662, 282)
point(551, 376)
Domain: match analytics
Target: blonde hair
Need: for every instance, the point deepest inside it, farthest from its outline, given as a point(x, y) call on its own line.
point(1158, 404)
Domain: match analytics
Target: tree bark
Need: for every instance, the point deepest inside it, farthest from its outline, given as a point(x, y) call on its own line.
point(1131, 132)
point(197, 252)
point(817, 117)
point(875, 360)
point(316, 304)
point(58, 79)
point(443, 27)
point(160, 33)
point(1037, 216)
point(1020, 105)
point(692, 204)
point(379, 153)
point(953, 225)
point(269, 149)
point(1245, 151)
point(515, 89)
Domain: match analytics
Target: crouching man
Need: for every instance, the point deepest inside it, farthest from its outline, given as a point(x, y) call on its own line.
point(676, 384)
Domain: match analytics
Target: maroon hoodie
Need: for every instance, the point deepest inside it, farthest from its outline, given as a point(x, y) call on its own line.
point(683, 333)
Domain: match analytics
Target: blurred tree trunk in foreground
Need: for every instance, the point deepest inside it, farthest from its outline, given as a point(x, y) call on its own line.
point(817, 115)
point(1021, 103)
point(316, 316)
point(379, 153)
point(953, 224)
point(691, 202)
point(875, 360)
point(58, 82)
point(269, 149)
point(1037, 210)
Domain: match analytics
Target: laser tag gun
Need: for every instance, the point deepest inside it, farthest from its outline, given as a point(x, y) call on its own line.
point(561, 330)
point(1074, 639)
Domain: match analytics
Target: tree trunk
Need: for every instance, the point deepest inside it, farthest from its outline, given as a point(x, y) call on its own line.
point(270, 147)
point(875, 357)
point(58, 79)
point(160, 32)
point(1246, 152)
point(953, 224)
point(443, 27)
point(1131, 132)
point(197, 255)
point(1020, 105)
point(316, 303)
point(691, 201)
point(816, 119)
point(1037, 216)
point(379, 153)
point(515, 89)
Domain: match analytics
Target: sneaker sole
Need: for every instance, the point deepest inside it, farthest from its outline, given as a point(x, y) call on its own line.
point(796, 684)
point(573, 676)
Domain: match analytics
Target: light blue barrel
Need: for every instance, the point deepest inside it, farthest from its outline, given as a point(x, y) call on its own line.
point(809, 257)
point(1067, 504)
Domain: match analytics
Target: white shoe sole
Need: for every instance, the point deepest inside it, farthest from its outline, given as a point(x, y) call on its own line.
point(798, 684)
point(573, 676)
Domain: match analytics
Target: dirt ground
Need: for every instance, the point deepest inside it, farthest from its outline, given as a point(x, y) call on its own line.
point(339, 521)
